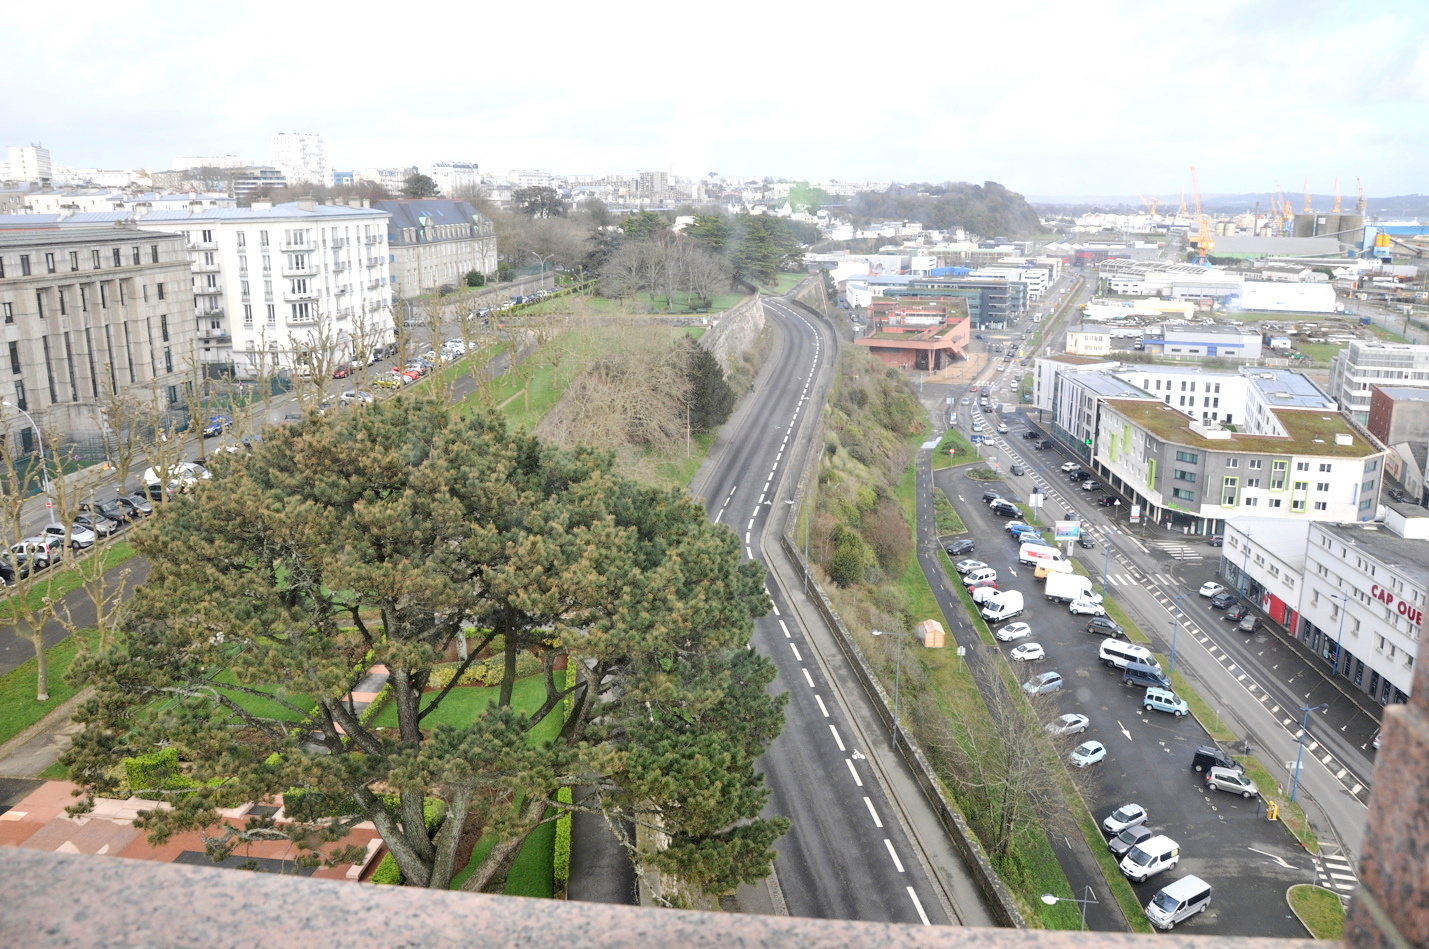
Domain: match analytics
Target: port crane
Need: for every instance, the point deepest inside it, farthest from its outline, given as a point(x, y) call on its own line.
point(1203, 241)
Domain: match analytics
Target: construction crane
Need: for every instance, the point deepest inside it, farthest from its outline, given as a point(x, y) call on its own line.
point(1307, 196)
point(1182, 212)
point(1203, 238)
point(1359, 199)
point(1336, 209)
point(1284, 219)
point(1151, 204)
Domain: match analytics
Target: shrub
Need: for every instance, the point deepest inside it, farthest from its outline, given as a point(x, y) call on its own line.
point(487, 672)
point(158, 770)
point(387, 872)
point(562, 859)
point(314, 805)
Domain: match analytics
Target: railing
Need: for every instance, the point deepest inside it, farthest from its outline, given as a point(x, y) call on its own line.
point(299, 296)
point(299, 245)
point(199, 266)
point(372, 239)
point(307, 270)
point(338, 266)
point(338, 243)
point(203, 245)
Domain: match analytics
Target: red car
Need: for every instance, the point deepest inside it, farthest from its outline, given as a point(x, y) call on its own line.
point(342, 372)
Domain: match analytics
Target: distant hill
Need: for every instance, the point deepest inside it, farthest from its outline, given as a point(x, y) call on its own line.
point(1396, 207)
point(987, 209)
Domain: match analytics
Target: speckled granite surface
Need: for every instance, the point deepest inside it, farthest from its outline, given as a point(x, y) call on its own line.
point(57, 900)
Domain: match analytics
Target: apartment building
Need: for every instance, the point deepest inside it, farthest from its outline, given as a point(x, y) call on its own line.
point(454, 176)
point(302, 156)
point(89, 312)
point(1363, 364)
point(435, 242)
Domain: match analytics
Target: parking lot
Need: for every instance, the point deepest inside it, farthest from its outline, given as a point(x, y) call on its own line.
point(1223, 837)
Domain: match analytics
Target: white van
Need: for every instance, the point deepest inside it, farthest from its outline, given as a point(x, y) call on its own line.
point(1117, 653)
point(1004, 606)
point(979, 575)
point(1038, 553)
point(1177, 901)
point(1150, 857)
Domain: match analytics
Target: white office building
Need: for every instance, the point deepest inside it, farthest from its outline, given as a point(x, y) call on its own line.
point(30, 163)
point(302, 157)
point(1363, 364)
point(453, 176)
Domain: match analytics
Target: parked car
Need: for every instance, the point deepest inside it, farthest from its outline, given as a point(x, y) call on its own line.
point(216, 425)
point(968, 566)
point(136, 504)
point(1043, 445)
point(109, 510)
point(1224, 779)
point(1164, 700)
point(100, 525)
point(342, 372)
point(1012, 632)
point(1235, 612)
point(1102, 626)
point(1211, 588)
point(1128, 815)
point(1087, 753)
point(354, 395)
point(1068, 724)
point(989, 583)
point(1126, 839)
point(1090, 485)
point(1042, 684)
point(79, 536)
point(960, 547)
point(1216, 540)
point(990, 495)
point(1086, 606)
point(1069, 467)
point(1209, 756)
point(1397, 495)
point(1107, 500)
point(1222, 601)
point(1249, 623)
point(1027, 652)
point(16, 566)
point(40, 551)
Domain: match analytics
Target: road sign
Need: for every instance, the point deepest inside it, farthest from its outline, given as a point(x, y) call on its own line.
point(49, 504)
point(1066, 530)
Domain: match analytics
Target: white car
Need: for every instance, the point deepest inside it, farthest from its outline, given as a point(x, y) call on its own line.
point(79, 536)
point(1211, 588)
point(1012, 632)
point(1070, 467)
point(1027, 652)
point(1087, 607)
point(1088, 752)
point(968, 566)
point(977, 426)
point(1002, 429)
point(1069, 724)
point(1128, 815)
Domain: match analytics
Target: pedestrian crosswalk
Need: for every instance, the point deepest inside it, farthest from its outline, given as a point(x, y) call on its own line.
point(1336, 871)
point(1178, 550)
point(1127, 580)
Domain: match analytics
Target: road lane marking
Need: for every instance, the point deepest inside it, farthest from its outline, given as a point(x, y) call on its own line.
point(808, 677)
point(893, 855)
point(837, 740)
point(794, 647)
point(785, 628)
point(818, 698)
point(853, 771)
point(873, 813)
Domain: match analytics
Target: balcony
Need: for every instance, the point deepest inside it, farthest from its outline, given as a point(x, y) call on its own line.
point(199, 266)
point(210, 312)
point(302, 245)
point(373, 239)
point(307, 270)
point(203, 245)
point(338, 243)
point(338, 266)
point(373, 261)
point(374, 284)
point(303, 296)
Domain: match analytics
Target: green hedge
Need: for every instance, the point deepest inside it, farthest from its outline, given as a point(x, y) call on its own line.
point(563, 842)
point(313, 805)
point(388, 872)
point(487, 672)
point(158, 770)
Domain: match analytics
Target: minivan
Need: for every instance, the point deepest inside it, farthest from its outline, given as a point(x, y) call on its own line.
point(1143, 675)
point(1117, 653)
point(1176, 901)
point(1164, 700)
point(1150, 857)
point(979, 575)
point(1209, 756)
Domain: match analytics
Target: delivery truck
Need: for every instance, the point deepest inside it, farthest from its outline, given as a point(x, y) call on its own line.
point(1066, 587)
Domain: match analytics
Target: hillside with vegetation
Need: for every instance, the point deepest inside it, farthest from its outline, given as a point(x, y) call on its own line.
point(988, 209)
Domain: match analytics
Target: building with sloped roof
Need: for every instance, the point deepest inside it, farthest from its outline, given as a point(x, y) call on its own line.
point(436, 242)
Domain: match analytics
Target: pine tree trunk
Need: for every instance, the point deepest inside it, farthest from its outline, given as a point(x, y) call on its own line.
point(497, 864)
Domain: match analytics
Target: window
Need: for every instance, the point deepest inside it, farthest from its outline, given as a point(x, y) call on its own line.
point(267, 264)
point(247, 314)
point(1232, 462)
point(15, 357)
point(1255, 463)
point(168, 360)
point(242, 263)
point(1302, 485)
point(40, 303)
point(263, 238)
point(1274, 502)
point(207, 236)
point(1297, 505)
point(243, 288)
point(1322, 485)
point(153, 253)
point(1189, 457)
point(210, 259)
point(164, 328)
point(1321, 506)
point(73, 260)
point(1277, 474)
point(160, 288)
point(272, 315)
point(1185, 475)
point(9, 312)
point(24, 265)
point(1183, 494)
point(1252, 502)
point(300, 312)
point(136, 257)
point(49, 263)
point(173, 394)
point(94, 258)
point(1302, 466)
point(242, 239)
point(64, 310)
point(1324, 466)
point(118, 260)
point(103, 296)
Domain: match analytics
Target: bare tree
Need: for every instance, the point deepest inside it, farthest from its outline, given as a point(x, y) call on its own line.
point(28, 612)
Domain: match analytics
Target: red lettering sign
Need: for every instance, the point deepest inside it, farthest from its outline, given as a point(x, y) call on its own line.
point(1381, 594)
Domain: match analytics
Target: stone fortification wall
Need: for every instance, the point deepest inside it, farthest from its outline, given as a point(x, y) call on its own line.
point(734, 331)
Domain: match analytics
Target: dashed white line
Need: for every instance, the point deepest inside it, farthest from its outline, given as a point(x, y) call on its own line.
point(918, 906)
point(820, 699)
point(785, 628)
point(873, 813)
point(808, 677)
point(837, 740)
point(853, 771)
point(795, 649)
point(775, 608)
point(896, 862)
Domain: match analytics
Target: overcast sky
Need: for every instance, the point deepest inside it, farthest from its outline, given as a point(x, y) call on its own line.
point(1048, 98)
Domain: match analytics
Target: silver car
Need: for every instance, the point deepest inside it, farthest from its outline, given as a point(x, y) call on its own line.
point(79, 535)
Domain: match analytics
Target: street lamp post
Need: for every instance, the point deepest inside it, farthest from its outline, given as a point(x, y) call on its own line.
point(1175, 623)
point(897, 676)
point(1051, 900)
point(543, 265)
point(1299, 753)
point(1245, 562)
point(44, 471)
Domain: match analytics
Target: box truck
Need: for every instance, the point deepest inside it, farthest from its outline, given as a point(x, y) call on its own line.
point(1066, 587)
point(1037, 553)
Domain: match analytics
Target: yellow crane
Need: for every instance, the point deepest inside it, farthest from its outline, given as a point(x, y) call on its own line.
point(1182, 212)
point(1307, 196)
point(1151, 204)
point(1203, 238)
point(1336, 209)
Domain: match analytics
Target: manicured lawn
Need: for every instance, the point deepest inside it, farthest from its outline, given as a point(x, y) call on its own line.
point(18, 708)
point(57, 581)
point(1321, 910)
point(264, 707)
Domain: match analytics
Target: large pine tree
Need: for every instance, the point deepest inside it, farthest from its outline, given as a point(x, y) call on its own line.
point(382, 536)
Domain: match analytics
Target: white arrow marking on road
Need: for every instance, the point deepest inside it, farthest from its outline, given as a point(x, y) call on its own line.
point(1272, 857)
point(1123, 729)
